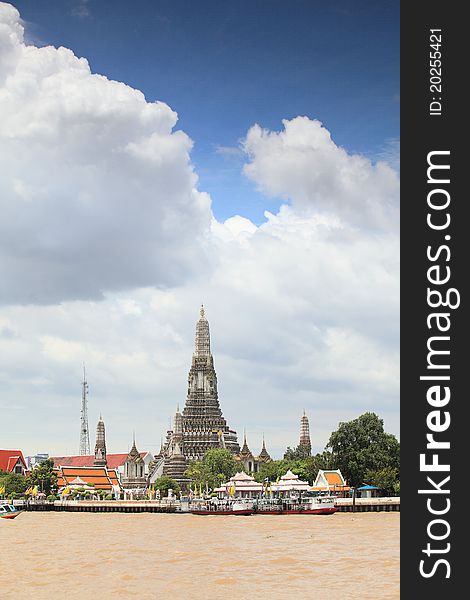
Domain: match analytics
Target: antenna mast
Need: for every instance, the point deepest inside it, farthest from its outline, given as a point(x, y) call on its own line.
point(84, 433)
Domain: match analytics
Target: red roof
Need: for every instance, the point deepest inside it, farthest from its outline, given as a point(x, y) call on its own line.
point(9, 458)
point(113, 460)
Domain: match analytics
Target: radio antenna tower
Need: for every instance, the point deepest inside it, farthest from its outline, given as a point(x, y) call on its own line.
point(84, 433)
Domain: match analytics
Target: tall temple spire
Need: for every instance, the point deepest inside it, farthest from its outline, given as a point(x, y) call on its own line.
point(245, 451)
point(197, 428)
point(100, 446)
point(305, 434)
point(203, 341)
point(264, 454)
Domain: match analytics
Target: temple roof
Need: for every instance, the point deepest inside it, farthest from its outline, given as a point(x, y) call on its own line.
point(113, 460)
point(134, 455)
point(334, 477)
point(242, 476)
point(242, 483)
point(290, 481)
point(245, 452)
point(264, 454)
point(9, 458)
point(78, 481)
point(98, 477)
point(289, 475)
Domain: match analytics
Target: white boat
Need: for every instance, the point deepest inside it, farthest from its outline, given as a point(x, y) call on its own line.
point(217, 507)
point(8, 511)
point(296, 505)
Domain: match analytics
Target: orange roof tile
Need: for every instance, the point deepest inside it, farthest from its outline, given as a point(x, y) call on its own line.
point(84, 472)
point(97, 476)
point(333, 478)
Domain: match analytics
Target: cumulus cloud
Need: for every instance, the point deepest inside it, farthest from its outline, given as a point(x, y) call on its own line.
point(304, 165)
point(97, 190)
point(100, 202)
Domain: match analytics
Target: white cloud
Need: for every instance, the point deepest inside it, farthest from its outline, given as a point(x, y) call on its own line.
point(100, 201)
point(97, 191)
point(304, 165)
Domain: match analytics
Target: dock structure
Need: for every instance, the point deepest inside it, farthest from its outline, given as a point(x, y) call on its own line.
point(127, 506)
point(388, 504)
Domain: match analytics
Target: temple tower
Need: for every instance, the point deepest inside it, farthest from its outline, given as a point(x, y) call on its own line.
point(203, 425)
point(305, 434)
point(100, 446)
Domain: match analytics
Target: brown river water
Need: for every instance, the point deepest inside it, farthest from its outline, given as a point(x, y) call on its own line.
point(151, 556)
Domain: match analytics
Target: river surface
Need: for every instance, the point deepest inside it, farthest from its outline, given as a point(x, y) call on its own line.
point(155, 556)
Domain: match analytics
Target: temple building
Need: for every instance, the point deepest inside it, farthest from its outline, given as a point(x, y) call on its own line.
point(12, 461)
point(240, 485)
point(201, 426)
point(175, 463)
point(331, 481)
point(304, 440)
point(99, 478)
point(249, 462)
point(134, 470)
point(101, 458)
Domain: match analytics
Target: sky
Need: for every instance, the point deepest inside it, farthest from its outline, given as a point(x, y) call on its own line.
point(160, 155)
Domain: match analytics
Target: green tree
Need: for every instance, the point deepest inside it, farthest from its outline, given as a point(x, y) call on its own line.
point(217, 466)
point(300, 452)
point(386, 479)
point(276, 468)
point(14, 483)
point(272, 470)
point(362, 445)
point(195, 472)
point(165, 483)
point(323, 460)
point(44, 477)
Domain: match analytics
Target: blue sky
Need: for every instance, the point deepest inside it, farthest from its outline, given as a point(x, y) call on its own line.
point(224, 66)
point(109, 243)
